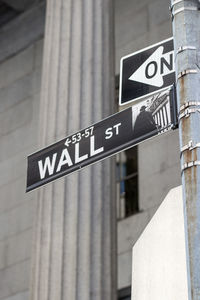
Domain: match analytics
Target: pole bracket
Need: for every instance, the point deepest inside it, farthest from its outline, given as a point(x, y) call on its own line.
point(186, 72)
point(190, 146)
point(190, 8)
point(189, 103)
point(187, 112)
point(185, 8)
point(183, 48)
point(190, 164)
point(174, 3)
point(179, 1)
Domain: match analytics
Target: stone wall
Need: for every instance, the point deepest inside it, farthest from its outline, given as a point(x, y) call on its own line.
point(140, 24)
point(19, 102)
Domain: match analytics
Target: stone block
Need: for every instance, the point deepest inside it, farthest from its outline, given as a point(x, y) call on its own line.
point(17, 220)
point(159, 168)
point(124, 6)
point(158, 154)
point(129, 231)
point(3, 254)
point(16, 67)
point(133, 26)
point(15, 249)
point(161, 32)
point(158, 13)
point(14, 167)
point(21, 141)
point(13, 194)
point(36, 82)
point(20, 296)
point(16, 117)
point(30, 28)
point(20, 90)
point(124, 270)
point(15, 92)
point(156, 187)
point(38, 54)
point(36, 114)
point(15, 279)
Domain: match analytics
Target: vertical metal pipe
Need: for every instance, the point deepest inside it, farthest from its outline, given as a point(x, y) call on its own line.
point(186, 31)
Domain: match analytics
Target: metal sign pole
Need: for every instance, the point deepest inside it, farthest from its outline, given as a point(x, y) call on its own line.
point(186, 24)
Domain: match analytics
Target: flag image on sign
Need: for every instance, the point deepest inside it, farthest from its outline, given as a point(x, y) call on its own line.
point(146, 71)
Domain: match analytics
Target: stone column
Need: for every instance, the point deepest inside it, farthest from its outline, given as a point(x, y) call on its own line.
point(75, 237)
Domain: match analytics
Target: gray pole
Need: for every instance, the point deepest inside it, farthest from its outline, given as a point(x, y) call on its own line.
point(186, 30)
point(75, 247)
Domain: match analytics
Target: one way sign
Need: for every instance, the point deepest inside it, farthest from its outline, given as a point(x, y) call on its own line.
point(146, 71)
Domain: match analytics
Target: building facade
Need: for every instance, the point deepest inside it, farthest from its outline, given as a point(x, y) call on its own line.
point(143, 174)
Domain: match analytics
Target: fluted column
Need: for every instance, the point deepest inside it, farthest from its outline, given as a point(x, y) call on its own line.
point(74, 246)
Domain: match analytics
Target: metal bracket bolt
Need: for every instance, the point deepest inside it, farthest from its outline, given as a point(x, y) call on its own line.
point(174, 3)
point(188, 8)
point(177, 11)
point(190, 146)
point(184, 48)
point(186, 72)
point(188, 104)
point(187, 112)
point(190, 164)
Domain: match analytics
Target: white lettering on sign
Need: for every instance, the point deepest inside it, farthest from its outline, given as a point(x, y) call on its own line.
point(48, 166)
point(109, 131)
point(151, 72)
point(117, 127)
point(77, 137)
point(77, 157)
point(64, 159)
point(92, 147)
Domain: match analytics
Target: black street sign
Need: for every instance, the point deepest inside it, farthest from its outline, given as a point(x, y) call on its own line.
point(120, 131)
point(146, 71)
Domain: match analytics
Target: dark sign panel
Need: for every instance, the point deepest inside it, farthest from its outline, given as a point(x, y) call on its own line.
point(120, 131)
point(146, 71)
